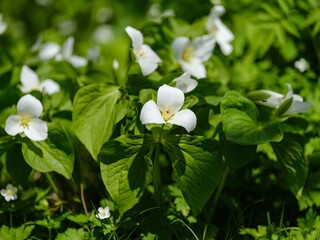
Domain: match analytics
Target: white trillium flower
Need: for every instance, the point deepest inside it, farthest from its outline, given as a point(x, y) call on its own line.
point(302, 65)
point(185, 83)
point(103, 213)
point(10, 193)
point(3, 25)
point(66, 54)
point(219, 31)
point(30, 82)
point(48, 50)
point(191, 55)
point(276, 100)
point(27, 121)
point(145, 56)
point(167, 109)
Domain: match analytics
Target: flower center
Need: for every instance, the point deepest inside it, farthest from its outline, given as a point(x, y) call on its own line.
point(140, 53)
point(214, 29)
point(25, 121)
point(103, 213)
point(167, 113)
point(9, 192)
point(187, 54)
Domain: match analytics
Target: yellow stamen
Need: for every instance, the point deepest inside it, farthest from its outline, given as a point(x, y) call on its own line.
point(214, 29)
point(187, 54)
point(25, 121)
point(9, 192)
point(140, 53)
point(167, 113)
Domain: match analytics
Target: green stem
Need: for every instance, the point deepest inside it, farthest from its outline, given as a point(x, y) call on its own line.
point(53, 185)
point(218, 192)
point(157, 176)
point(49, 232)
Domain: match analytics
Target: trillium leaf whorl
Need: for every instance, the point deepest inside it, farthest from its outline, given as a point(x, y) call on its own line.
point(167, 110)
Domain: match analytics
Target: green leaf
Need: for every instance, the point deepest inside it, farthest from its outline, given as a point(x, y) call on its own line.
point(18, 169)
point(290, 154)
point(284, 107)
point(53, 154)
point(94, 115)
point(73, 234)
point(21, 233)
point(237, 155)
point(240, 122)
point(258, 95)
point(126, 168)
point(196, 163)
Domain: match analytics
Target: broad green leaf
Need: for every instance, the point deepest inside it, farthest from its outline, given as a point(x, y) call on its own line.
point(94, 115)
point(240, 122)
point(18, 169)
point(53, 154)
point(237, 155)
point(196, 163)
point(21, 233)
point(290, 154)
point(126, 168)
point(73, 234)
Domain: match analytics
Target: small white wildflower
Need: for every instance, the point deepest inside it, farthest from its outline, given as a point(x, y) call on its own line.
point(115, 64)
point(10, 193)
point(27, 121)
point(146, 57)
point(103, 213)
point(185, 83)
point(302, 65)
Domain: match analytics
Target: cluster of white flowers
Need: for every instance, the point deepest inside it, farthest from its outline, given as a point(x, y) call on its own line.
point(275, 100)
point(10, 193)
point(50, 50)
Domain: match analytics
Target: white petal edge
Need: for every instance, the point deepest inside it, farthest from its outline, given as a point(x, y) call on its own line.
point(136, 37)
point(77, 61)
point(170, 98)
point(67, 48)
point(195, 68)
point(274, 101)
point(29, 105)
point(298, 107)
point(49, 86)
point(29, 78)
point(178, 46)
point(185, 118)
point(203, 47)
point(49, 50)
point(150, 113)
point(37, 130)
point(185, 83)
point(13, 126)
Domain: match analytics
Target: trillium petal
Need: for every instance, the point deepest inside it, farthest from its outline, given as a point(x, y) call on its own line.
point(37, 130)
point(3, 192)
point(297, 97)
point(49, 86)
point(274, 101)
point(67, 48)
point(185, 83)
point(170, 98)
point(223, 34)
point(203, 47)
point(29, 105)
point(178, 46)
point(136, 37)
point(185, 118)
point(289, 93)
point(77, 61)
point(150, 54)
point(49, 50)
point(29, 79)
point(13, 126)
point(226, 48)
point(195, 68)
point(100, 209)
point(148, 61)
point(217, 11)
point(298, 107)
point(150, 113)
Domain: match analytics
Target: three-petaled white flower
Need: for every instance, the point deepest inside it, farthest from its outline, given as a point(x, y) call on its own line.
point(302, 65)
point(66, 54)
point(219, 31)
point(167, 109)
point(191, 55)
point(145, 56)
point(275, 100)
point(27, 121)
point(3, 25)
point(30, 82)
point(10, 193)
point(185, 83)
point(103, 213)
